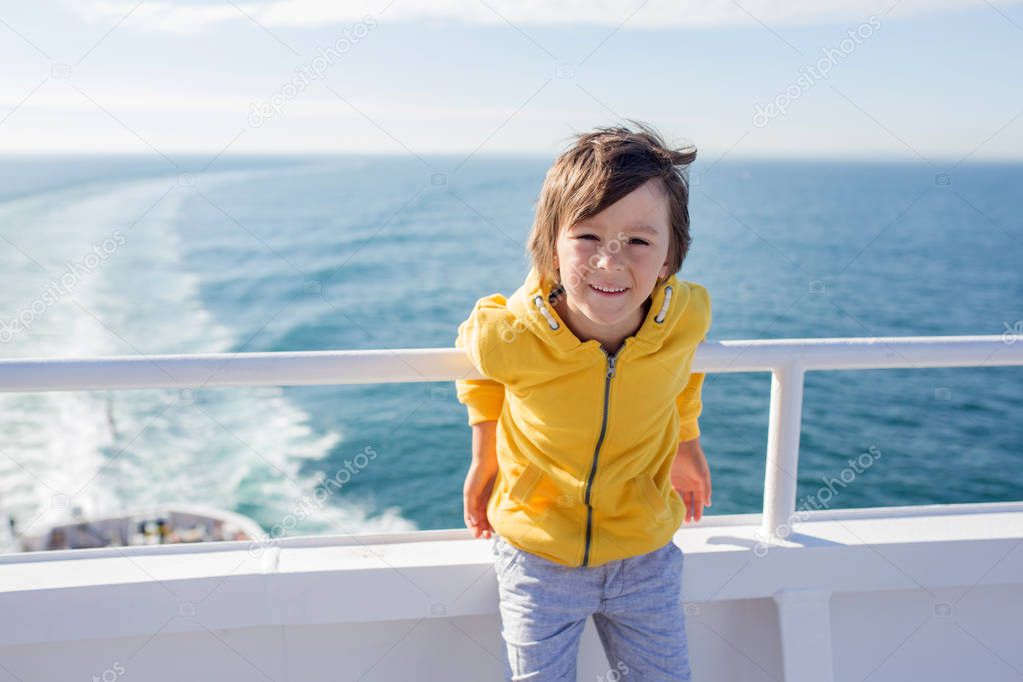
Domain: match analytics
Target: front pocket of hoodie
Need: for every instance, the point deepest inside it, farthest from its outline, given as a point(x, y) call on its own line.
point(525, 484)
point(648, 491)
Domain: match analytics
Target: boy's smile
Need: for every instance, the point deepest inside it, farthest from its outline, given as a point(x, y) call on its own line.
point(610, 263)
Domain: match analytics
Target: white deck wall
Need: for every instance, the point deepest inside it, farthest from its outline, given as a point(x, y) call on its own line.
point(916, 593)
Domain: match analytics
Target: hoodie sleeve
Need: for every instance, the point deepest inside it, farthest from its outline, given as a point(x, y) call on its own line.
point(690, 405)
point(689, 402)
point(483, 398)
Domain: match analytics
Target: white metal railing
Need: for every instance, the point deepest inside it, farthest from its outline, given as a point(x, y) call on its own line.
point(787, 360)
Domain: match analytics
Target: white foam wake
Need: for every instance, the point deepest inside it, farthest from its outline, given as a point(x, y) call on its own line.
point(238, 449)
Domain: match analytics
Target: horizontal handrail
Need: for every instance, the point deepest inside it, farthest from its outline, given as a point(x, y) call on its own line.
point(401, 365)
point(786, 359)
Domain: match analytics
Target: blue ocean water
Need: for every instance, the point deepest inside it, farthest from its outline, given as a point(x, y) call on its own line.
point(316, 253)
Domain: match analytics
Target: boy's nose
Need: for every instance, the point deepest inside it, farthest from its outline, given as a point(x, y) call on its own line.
point(609, 261)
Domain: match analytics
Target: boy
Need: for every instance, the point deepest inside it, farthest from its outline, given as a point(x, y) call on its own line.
point(587, 422)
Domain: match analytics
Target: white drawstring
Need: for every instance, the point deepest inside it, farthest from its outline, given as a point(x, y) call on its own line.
point(538, 300)
point(664, 306)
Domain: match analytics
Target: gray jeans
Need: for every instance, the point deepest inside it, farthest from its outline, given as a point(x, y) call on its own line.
point(636, 604)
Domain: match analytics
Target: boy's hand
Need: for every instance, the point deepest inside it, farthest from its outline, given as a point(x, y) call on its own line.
point(690, 476)
point(475, 494)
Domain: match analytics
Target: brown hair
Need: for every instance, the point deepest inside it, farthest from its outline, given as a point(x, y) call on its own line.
point(601, 167)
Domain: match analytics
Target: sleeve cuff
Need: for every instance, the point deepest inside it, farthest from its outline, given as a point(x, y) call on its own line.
point(483, 399)
point(689, 430)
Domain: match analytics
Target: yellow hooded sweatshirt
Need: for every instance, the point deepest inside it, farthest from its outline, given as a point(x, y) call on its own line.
point(585, 441)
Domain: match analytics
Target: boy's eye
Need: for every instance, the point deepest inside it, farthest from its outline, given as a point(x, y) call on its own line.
point(636, 240)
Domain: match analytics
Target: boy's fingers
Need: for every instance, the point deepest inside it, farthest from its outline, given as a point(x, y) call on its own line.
point(478, 524)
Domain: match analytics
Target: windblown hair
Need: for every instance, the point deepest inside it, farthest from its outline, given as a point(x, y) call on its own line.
point(601, 167)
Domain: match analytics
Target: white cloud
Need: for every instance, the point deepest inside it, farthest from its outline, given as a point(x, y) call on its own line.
point(173, 17)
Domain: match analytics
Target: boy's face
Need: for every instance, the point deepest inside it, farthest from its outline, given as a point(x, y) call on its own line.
point(625, 246)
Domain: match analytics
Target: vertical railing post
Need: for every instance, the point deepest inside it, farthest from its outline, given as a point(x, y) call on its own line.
point(782, 449)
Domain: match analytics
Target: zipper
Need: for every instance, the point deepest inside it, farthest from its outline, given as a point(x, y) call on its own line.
point(593, 468)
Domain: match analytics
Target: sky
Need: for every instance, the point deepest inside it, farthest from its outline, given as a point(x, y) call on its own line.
point(934, 80)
